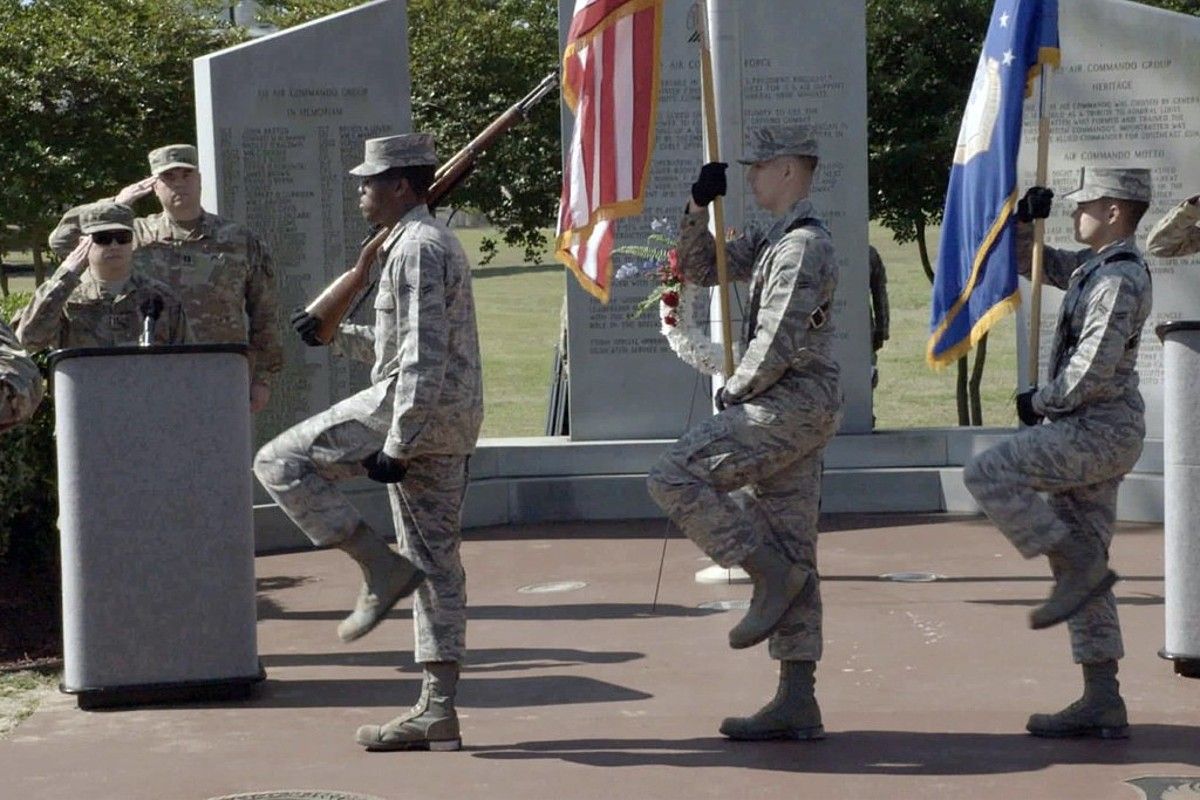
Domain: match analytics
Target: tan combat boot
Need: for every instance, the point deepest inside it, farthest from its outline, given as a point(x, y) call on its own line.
point(388, 577)
point(432, 724)
point(792, 714)
point(777, 583)
point(1083, 574)
point(1100, 713)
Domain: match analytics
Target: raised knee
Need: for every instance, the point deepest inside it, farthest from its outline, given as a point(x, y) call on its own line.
point(664, 482)
point(272, 467)
point(974, 477)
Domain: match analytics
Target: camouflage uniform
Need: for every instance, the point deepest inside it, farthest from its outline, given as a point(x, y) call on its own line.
point(70, 310)
point(221, 270)
point(752, 473)
point(1176, 234)
point(1096, 425)
point(20, 382)
point(880, 316)
point(425, 406)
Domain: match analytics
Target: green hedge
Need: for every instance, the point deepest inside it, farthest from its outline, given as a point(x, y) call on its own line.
point(28, 490)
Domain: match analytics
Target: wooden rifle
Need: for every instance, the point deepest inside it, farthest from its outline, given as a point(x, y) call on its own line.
point(333, 304)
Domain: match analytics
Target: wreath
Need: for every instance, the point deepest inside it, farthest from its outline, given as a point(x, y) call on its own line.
point(678, 302)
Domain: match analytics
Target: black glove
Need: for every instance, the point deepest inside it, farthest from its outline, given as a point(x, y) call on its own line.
point(710, 184)
point(1035, 204)
point(306, 325)
point(382, 468)
point(723, 400)
point(1025, 410)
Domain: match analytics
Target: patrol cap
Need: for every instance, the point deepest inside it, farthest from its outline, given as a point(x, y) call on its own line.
point(769, 141)
point(105, 216)
point(1119, 183)
point(172, 156)
point(404, 150)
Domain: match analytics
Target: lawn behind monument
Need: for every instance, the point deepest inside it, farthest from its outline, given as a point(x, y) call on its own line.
point(520, 308)
point(519, 311)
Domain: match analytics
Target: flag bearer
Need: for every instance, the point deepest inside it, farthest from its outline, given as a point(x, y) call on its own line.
point(744, 485)
point(1092, 437)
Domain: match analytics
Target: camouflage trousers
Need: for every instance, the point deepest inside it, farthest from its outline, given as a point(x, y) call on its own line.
point(1078, 463)
point(749, 476)
point(301, 467)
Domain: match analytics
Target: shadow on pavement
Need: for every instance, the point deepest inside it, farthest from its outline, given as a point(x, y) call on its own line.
point(478, 661)
point(543, 690)
point(874, 752)
point(268, 609)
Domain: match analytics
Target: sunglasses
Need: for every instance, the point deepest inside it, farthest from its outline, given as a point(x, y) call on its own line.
point(109, 237)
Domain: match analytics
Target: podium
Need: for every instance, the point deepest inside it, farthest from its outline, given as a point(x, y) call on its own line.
point(1181, 494)
point(156, 526)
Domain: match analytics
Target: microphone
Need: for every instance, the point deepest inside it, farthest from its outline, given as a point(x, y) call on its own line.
point(151, 310)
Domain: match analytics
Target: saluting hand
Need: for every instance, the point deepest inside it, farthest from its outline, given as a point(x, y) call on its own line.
point(77, 260)
point(136, 191)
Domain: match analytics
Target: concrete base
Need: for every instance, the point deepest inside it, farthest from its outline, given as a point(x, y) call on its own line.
point(552, 479)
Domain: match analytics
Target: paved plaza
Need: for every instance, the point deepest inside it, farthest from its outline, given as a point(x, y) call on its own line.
point(590, 692)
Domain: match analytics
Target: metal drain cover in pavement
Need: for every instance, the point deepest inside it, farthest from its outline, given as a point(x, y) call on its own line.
point(301, 795)
point(911, 577)
point(553, 586)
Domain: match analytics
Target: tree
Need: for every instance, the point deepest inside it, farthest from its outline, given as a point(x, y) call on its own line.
point(921, 57)
point(90, 88)
point(470, 60)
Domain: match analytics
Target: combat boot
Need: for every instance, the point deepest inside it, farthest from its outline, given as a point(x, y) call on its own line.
point(777, 583)
point(1099, 713)
point(432, 724)
point(1083, 574)
point(792, 714)
point(388, 577)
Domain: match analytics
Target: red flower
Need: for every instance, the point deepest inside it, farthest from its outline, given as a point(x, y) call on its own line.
point(670, 299)
point(670, 320)
point(673, 264)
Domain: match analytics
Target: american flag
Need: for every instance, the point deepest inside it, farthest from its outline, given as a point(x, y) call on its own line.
point(610, 83)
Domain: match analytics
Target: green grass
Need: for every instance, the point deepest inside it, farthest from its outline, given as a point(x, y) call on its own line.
point(910, 394)
point(20, 693)
point(519, 309)
point(520, 306)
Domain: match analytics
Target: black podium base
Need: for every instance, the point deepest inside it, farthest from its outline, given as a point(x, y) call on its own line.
point(210, 691)
point(1186, 666)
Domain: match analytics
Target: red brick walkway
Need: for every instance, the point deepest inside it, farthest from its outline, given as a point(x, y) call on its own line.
point(925, 687)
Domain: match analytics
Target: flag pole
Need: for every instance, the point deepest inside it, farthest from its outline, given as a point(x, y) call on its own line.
point(1039, 237)
point(718, 208)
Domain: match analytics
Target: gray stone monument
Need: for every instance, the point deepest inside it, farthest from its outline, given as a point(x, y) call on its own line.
point(1128, 94)
point(279, 122)
point(625, 381)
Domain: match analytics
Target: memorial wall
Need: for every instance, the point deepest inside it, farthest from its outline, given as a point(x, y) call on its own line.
point(279, 122)
point(770, 66)
point(1128, 94)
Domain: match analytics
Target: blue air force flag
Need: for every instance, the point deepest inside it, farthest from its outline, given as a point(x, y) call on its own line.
point(976, 279)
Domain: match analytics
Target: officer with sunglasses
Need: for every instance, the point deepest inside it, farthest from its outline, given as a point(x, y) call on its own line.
point(95, 298)
point(221, 270)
